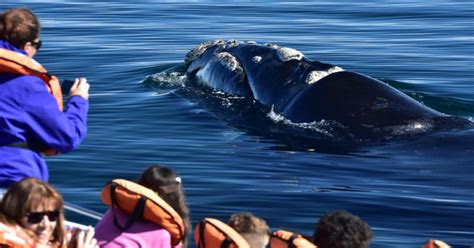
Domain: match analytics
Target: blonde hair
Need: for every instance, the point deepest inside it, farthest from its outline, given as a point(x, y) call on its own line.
point(252, 228)
point(26, 196)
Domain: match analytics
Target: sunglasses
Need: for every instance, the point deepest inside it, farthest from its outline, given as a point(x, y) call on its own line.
point(36, 44)
point(37, 217)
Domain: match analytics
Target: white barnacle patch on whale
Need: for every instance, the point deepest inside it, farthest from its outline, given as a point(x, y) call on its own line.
point(257, 59)
point(286, 54)
point(233, 43)
point(229, 61)
point(200, 49)
point(271, 45)
point(315, 76)
point(251, 42)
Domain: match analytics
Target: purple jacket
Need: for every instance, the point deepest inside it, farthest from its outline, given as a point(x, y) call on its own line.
point(141, 234)
point(29, 113)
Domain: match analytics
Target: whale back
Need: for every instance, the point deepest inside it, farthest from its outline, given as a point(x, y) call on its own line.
point(359, 102)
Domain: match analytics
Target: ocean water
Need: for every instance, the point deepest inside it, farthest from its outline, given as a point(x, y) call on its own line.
point(408, 190)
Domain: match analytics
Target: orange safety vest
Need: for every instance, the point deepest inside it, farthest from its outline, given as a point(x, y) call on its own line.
point(285, 239)
point(213, 233)
point(15, 63)
point(14, 237)
point(141, 202)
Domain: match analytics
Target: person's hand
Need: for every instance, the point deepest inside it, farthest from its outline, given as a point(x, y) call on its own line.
point(81, 239)
point(80, 88)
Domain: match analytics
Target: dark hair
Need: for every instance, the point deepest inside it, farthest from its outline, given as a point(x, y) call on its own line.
point(341, 229)
point(164, 181)
point(19, 26)
point(26, 196)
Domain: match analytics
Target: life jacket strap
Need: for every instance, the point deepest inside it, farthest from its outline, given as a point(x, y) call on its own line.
point(226, 243)
point(136, 214)
point(290, 241)
point(202, 243)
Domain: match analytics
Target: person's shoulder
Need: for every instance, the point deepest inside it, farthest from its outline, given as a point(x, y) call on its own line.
point(30, 79)
point(162, 232)
point(23, 80)
point(160, 237)
point(29, 83)
point(139, 225)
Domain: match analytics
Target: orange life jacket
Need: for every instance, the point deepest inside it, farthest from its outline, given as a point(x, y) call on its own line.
point(141, 202)
point(213, 233)
point(285, 239)
point(14, 237)
point(15, 63)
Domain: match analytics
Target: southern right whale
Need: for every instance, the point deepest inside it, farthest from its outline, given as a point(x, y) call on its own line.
point(306, 91)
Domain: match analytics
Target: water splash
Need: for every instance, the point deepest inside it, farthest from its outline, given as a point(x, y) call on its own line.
point(165, 80)
point(323, 127)
point(416, 127)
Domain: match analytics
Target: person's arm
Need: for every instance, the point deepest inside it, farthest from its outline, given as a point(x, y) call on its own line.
point(49, 126)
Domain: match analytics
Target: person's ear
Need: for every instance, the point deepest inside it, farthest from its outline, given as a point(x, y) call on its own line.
point(29, 49)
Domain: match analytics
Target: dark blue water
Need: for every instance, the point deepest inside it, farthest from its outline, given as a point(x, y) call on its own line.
point(408, 190)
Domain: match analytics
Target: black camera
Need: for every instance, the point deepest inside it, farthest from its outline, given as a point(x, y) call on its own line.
point(66, 86)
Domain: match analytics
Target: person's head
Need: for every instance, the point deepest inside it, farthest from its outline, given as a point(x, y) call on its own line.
point(252, 228)
point(36, 206)
point(341, 229)
point(167, 184)
point(21, 28)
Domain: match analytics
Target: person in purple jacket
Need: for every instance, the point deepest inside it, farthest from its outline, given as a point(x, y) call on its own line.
point(143, 233)
point(32, 120)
